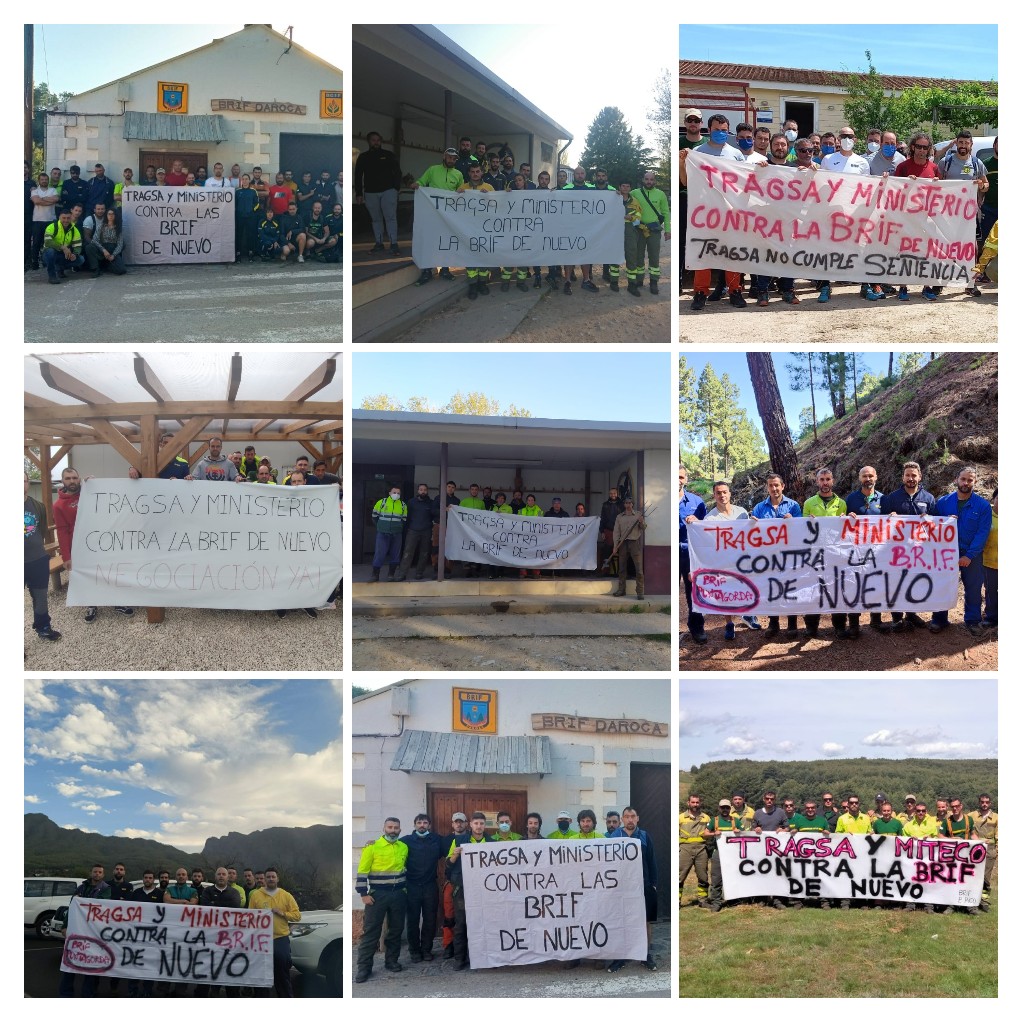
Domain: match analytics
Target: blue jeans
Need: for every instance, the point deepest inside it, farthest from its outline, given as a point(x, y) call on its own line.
point(973, 577)
point(991, 596)
point(56, 262)
point(694, 620)
point(387, 548)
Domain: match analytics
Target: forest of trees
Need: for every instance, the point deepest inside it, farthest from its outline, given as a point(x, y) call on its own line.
point(473, 403)
point(926, 778)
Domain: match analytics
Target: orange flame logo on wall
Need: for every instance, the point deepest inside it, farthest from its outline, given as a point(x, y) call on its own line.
point(172, 98)
point(474, 710)
point(330, 104)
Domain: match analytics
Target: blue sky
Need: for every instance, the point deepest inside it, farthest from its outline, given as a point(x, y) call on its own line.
point(735, 364)
point(104, 53)
point(947, 51)
point(635, 387)
point(783, 719)
point(179, 760)
point(574, 68)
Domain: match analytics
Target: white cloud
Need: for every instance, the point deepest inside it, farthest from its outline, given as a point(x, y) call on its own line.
point(136, 833)
point(37, 700)
point(161, 808)
point(900, 737)
point(85, 732)
point(85, 805)
point(739, 745)
point(785, 746)
point(696, 723)
point(946, 748)
point(73, 788)
point(133, 775)
point(82, 828)
point(832, 749)
point(31, 798)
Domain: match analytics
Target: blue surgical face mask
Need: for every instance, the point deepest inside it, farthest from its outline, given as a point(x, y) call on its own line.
point(827, 150)
point(504, 826)
point(889, 150)
point(719, 136)
point(745, 144)
point(423, 831)
point(390, 839)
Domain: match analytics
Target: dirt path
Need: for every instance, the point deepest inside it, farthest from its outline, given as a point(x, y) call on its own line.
point(953, 317)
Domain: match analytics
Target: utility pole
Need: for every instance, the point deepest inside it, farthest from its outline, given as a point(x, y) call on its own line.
point(29, 55)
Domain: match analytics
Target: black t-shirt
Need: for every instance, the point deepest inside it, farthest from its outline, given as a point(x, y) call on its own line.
point(35, 530)
point(290, 226)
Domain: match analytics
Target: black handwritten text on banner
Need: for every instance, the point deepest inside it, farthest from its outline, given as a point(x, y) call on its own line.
point(170, 942)
point(521, 542)
point(826, 225)
point(178, 225)
point(839, 564)
point(558, 899)
point(507, 229)
point(174, 543)
point(859, 867)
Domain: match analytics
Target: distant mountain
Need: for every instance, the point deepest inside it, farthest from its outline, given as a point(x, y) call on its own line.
point(52, 850)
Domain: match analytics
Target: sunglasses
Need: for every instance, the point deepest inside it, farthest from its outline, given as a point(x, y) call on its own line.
point(693, 120)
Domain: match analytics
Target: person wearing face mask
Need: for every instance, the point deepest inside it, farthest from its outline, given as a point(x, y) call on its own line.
point(886, 159)
point(389, 515)
point(826, 144)
point(380, 883)
point(847, 162)
point(564, 830)
point(505, 833)
point(426, 848)
point(453, 871)
point(792, 131)
point(874, 142)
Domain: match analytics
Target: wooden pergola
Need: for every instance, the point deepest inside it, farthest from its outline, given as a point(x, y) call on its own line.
point(134, 428)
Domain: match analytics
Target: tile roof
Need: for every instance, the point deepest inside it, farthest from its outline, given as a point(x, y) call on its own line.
point(721, 70)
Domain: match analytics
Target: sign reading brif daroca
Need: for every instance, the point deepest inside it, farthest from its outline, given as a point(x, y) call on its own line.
point(168, 543)
point(170, 941)
point(527, 902)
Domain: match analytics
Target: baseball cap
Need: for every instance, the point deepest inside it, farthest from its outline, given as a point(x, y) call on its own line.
point(692, 112)
point(459, 816)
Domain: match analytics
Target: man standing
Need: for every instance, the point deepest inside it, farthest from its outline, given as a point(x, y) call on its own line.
point(454, 873)
point(853, 822)
point(627, 540)
point(286, 912)
point(45, 201)
point(986, 826)
point(180, 891)
point(974, 520)
point(444, 176)
point(610, 511)
point(220, 894)
point(214, 466)
point(494, 176)
point(777, 506)
point(93, 889)
point(120, 887)
point(460, 824)
point(37, 565)
point(73, 190)
point(825, 503)
point(389, 515)
point(847, 162)
point(421, 519)
point(909, 500)
point(579, 182)
point(866, 501)
point(742, 813)
point(654, 209)
point(691, 509)
point(630, 830)
point(612, 821)
point(465, 159)
point(771, 818)
point(693, 851)
point(148, 892)
point(101, 190)
point(556, 511)
point(505, 833)
point(425, 850)
point(886, 160)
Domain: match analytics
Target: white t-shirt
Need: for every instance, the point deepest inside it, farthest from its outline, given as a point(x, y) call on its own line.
point(851, 164)
point(218, 183)
point(757, 159)
point(44, 214)
point(735, 512)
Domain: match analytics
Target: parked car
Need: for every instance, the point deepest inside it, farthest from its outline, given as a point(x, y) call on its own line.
point(316, 946)
point(43, 896)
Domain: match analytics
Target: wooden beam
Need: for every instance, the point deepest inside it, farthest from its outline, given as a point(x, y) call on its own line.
point(36, 402)
point(297, 427)
point(120, 444)
point(316, 381)
point(253, 409)
point(182, 439)
point(150, 446)
point(47, 489)
point(32, 457)
point(150, 382)
point(66, 384)
point(234, 383)
point(61, 452)
point(313, 450)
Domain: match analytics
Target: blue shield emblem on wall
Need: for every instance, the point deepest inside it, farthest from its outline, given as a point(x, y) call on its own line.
point(171, 98)
point(475, 713)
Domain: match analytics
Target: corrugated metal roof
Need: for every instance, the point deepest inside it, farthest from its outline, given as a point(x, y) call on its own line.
point(423, 751)
point(712, 69)
point(175, 127)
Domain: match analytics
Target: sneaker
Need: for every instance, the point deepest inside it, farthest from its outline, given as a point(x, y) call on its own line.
point(825, 294)
point(615, 966)
point(790, 298)
point(124, 610)
point(973, 292)
point(589, 286)
point(699, 298)
point(751, 621)
point(48, 634)
point(903, 295)
point(931, 296)
point(716, 294)
point(975, 629)
point(762, 298)
point(90, 613)
point(736, 299)
point(567, 288)
point(311, 612)
point(300, 258)
point(378, 247)
point(874, 293)
point(395, 251)
point(425, 277)
point(649, 962)
point(730, 631)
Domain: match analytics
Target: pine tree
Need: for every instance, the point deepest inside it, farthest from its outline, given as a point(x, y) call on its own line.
point(612, 145)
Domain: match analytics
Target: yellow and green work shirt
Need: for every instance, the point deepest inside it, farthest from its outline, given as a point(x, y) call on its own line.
point(531, 510)
point(381, 866)
point(926, 829)
point(283, 901)
point(692, 828)
point(815, 505)
point(861, 825)
point(987, 826)
point(590, 835)
point(961, 829)
point(439, 176)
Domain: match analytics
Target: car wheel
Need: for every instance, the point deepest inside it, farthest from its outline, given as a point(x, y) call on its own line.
point(43, 925)
point(332, 969)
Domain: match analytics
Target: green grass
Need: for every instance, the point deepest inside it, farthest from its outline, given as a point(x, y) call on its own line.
point(659, 638)
point(665, 609)
point(756, 951)
point(980, 361)
point(885, 414)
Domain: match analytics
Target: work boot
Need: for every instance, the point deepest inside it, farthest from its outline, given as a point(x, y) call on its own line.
point(639, 595)
point(504, 286)
point(375, 575)
point(425, 278)
point(449, 952)
point(633, 288)
point(522, 285)
point(654, 287)
point(606, 274)
point(471, 294)
point(621, 592)
point(362, 975)
point(614, 284)
point(481, 287)
point(391, 573)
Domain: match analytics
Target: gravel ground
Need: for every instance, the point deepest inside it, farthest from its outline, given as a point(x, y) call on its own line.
point(438, 980)
point(193, 639)
point(953, 317)
point(513, 654)
point(953, 651)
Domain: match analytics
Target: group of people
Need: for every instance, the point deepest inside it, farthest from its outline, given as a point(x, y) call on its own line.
point(977, 533)
point(417, 522)
point(399, 879)
point(238, 467)
point(646, 215)
point(883, 155)
point(258, 890)
point(72, 223)
point(699, 832)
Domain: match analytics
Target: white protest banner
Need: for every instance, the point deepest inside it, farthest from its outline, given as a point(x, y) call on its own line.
point(178, 225)
point(554, 899)
point(817, 865)
point(825, 225)
point(495, 229)
point(198, 544)
point(825, 564)
point(169, 942)
point(521, 542)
